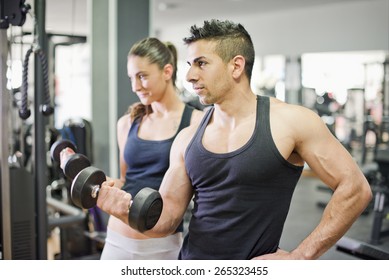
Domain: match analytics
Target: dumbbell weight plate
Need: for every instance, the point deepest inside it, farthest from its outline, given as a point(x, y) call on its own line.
point(74, 164)
point(83, 184)
point(58, 146)
point(145, 210)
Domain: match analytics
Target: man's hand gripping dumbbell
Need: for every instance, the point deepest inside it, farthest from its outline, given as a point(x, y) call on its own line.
point(144, 209)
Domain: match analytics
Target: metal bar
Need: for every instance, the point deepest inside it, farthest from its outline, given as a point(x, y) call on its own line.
point(5, 195)
point(386, 88)
point(40, 149)
point(72, 216)
point(361, 249)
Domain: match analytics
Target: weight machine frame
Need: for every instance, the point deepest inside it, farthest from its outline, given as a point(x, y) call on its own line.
point(23, 224)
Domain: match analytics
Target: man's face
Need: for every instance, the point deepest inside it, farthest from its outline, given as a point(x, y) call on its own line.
point(208, 74)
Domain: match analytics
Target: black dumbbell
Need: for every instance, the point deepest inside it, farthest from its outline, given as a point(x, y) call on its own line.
point(145, 209)
point(74, 163)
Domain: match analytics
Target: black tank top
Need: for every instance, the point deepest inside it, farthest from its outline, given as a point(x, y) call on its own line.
point(241, 198)
point(147, 160)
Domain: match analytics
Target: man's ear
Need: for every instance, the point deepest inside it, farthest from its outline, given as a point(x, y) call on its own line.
point(238, 64)
point(168, 71)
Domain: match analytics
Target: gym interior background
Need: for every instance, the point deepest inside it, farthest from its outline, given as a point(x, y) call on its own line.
point(331, 56)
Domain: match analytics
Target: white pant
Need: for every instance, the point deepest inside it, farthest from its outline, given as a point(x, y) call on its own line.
point(118, 247)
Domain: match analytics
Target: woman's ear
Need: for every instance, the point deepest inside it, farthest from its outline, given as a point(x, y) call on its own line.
point(168, 71)
point(238, 64)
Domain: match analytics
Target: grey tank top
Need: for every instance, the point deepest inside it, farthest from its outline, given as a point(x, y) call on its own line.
point(241, 198)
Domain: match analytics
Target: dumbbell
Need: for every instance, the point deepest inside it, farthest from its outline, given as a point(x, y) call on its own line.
point(74, 163)
point(146, 206)
point(145, 209)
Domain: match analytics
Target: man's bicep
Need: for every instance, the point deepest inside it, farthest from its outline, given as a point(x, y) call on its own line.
point(176, 188)
point(325, 155)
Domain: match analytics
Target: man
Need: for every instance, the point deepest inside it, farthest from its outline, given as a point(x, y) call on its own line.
point(242, 163)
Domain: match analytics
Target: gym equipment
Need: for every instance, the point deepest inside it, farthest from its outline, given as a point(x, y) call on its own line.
point(13, 13)
point(74, 163)
point(381, 193)
point(146, 206)
point(58, 147)
point(144, 211)
point(46, 109)
point(24, 173)
point(361, 249)
point(23, 231)
point(79, 131)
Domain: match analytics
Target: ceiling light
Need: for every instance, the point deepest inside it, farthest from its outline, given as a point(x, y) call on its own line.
point(163, 6)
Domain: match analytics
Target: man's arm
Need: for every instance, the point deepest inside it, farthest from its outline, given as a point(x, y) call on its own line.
point(176, 192)
point(176, 189)
point(336, 168)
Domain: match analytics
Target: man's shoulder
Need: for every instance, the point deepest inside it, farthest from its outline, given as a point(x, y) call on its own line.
point(289, 114)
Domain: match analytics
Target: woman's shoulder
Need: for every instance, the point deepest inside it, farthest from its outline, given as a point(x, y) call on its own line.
point(124, 123)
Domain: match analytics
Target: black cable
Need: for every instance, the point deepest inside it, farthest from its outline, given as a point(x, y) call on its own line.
point(45, 108)
point(24, 112)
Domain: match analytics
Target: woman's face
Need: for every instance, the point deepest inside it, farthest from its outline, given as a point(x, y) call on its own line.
point(147, 80)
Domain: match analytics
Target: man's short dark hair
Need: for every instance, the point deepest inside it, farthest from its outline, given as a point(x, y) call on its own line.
point(231, 39)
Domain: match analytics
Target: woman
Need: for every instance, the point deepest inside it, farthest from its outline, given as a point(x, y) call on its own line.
point(145, 135)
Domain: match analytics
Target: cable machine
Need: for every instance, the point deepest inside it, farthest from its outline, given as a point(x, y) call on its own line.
point(23, 221)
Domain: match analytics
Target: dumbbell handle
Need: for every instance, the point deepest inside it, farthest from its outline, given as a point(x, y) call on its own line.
point(65, 153)
point(59, 146)
point(145, 207)
point(86, 186)
point(95, 191)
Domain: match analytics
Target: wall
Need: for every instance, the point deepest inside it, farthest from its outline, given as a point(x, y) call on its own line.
point(347, 26)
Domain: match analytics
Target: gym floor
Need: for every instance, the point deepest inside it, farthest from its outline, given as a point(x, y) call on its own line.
point(305, 214)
